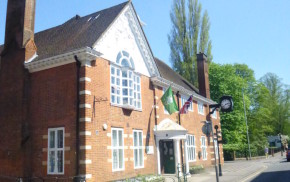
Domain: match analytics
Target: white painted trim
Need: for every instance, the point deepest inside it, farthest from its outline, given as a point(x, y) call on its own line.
point(87, 79)
point(85, 106)
point(85, 133)
point(87, 161)
point(85, 119)
point(32, 58)
point(83, 54)
point(88, 176)
point(86, 147)
point(85, 92)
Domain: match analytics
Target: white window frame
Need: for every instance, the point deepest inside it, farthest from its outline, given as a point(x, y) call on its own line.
point(55, 149)
point(191, 147)
point(165, 111)
point(183, 100)
point(119, 88)
point(203, 148)
point(138, 148)
point(199, 108)
point(117, 148)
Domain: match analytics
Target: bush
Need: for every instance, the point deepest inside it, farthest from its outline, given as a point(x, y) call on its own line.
point(196, 169)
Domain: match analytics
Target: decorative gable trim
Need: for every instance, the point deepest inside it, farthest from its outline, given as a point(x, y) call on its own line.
point(141, 40)
point(85, 55)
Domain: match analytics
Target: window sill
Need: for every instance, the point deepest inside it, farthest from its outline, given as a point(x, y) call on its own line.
point(118, 170)
point(200, 113)
point(127, 107)
point(139, 167)
point(192, 160)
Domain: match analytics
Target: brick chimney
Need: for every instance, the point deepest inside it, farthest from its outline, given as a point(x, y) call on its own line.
point(19, 32)
point(15, 140)
point(203, 80)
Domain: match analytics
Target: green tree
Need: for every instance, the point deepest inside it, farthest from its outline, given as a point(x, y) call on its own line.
point(188, 37)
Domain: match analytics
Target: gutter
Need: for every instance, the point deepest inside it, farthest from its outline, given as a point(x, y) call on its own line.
point(78, 66)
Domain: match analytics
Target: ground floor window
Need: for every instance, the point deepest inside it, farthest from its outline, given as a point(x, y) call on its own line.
point(55, 162)
point(138, 149)
point(191, 147)
point(203, 148)
point(118, 149)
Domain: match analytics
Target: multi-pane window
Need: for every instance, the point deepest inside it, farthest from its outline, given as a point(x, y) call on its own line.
point(203, 148)
point(183, 100)
point(200, 108)
point(138, 149)
point(118, 149)
point(125, 83)
point(191, 147)
point(55, 162)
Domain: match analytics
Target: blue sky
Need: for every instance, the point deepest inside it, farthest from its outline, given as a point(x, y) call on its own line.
point(256, 33)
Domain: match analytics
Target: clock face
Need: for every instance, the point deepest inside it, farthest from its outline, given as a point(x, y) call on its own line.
point(226, 104)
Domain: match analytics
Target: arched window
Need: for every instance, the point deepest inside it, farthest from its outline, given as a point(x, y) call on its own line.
point(125, 83)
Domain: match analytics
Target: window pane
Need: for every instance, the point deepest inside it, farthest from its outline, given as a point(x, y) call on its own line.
point(125, 53)
point(130, 74)
point(60, 139)
point(138, 79)
point(130, 83)
point(118, 72)
point(140, 139)
point(113, 80)
point(114, 137)
point(52, 139)
point(118, 100)
point(125, 91)
point(120, 158)
point(135, 139)
point(141, 157)
point(119, 57)
point(125, 83)
point(125, 63)
point(113, 99)
point(125, 100)
point(118, 82)
point(51, 160)
point(113, 90)
point(60, 161)
point(138, 88)
point(120, 136)
point(136, 157)
point(131, 93)
point(131, 101)
point(112, 70)
point(124, 74)
point(115, 159)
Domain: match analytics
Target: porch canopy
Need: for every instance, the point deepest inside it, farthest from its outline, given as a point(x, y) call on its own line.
point(168, 129)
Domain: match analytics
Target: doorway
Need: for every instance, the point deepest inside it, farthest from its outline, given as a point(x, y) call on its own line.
point(167, 156)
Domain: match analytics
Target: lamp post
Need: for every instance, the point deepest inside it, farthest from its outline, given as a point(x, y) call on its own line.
point(217, 141)
point(246, 125)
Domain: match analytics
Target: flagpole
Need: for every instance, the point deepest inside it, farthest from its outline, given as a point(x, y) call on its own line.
point(179, 122)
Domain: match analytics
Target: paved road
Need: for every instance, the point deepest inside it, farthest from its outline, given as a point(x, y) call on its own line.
point(273, 169)
point(278, 170)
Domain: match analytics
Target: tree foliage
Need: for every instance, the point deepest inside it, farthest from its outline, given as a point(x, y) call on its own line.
point(266, 105)
point(189, 35)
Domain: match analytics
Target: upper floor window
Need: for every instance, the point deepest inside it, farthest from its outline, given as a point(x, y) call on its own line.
point(200, 108)
point(125, 83)
point(55, 152)
point(183, 100)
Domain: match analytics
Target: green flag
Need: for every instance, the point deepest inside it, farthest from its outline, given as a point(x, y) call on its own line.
point(169, 101)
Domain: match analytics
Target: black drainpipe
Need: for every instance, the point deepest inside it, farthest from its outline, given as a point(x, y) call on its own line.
point(78, 64)
point(179, 122)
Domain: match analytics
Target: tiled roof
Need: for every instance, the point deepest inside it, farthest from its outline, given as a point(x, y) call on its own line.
point(167, 73)
point(78, 32)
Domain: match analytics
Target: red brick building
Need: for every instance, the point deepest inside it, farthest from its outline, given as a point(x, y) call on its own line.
point(83, 98)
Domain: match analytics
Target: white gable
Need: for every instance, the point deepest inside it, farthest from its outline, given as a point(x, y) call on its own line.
point(125, 34)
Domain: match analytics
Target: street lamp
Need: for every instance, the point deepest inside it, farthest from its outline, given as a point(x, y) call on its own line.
point(246, 125)
point(217, 141)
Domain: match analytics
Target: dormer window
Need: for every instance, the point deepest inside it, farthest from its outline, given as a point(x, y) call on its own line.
point(125, 83)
